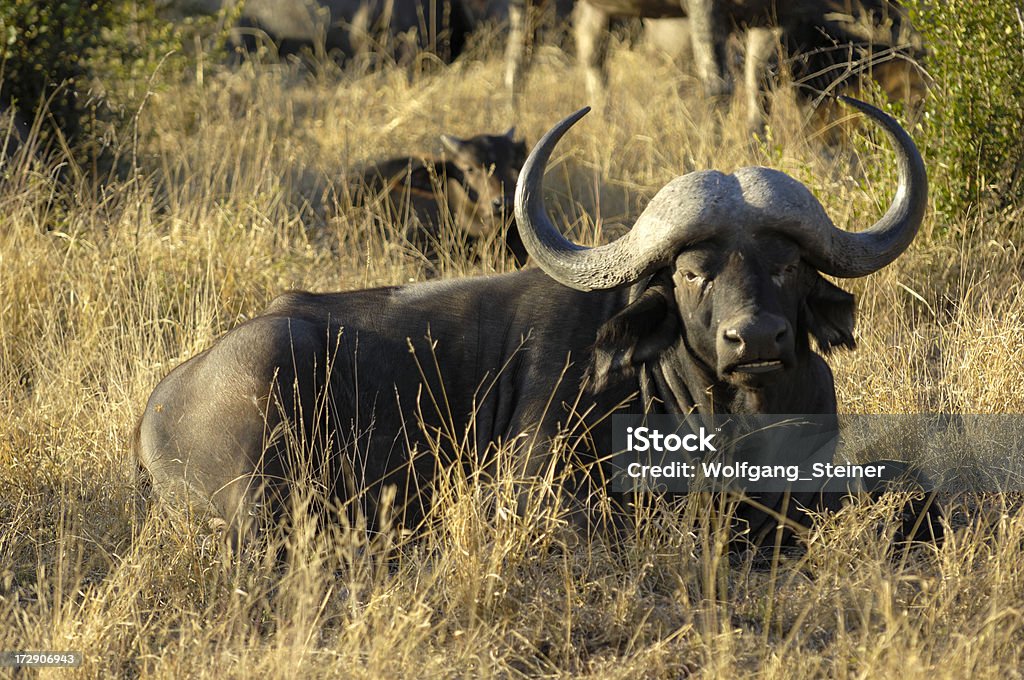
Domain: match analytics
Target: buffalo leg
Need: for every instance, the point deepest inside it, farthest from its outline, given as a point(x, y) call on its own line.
point(514, 245)
point(591, 28)
point(760, 45)
point(515, 49)
point(708, 37)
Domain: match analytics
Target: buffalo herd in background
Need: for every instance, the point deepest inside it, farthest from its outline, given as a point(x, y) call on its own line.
point(826, 47)
point(707, 306)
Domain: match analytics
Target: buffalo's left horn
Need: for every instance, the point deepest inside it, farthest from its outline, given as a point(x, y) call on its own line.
point(620, 263)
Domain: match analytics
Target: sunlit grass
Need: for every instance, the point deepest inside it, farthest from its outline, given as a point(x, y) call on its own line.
point(238, 198)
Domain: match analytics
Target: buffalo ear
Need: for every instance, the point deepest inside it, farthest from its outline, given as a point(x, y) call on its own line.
point(830, 316)
point(637, 334)
point(520, 148)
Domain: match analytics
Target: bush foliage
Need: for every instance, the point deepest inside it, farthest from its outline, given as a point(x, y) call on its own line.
point(974, 117)
point(79, 59)
point(45, 50)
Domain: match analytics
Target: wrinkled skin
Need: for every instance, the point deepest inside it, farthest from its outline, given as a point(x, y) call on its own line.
point(472, 188)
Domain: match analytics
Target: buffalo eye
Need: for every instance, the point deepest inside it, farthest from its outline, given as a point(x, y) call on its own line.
point(694, 278)
point(784, 273)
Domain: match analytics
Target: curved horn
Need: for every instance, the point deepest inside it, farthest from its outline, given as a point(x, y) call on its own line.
point(702, 204)
point(850, 254)
point(651, 243)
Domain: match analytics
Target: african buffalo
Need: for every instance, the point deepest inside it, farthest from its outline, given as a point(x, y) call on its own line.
point(472, 190)
point(853, 43)
point(707, 305)
point(829, 43)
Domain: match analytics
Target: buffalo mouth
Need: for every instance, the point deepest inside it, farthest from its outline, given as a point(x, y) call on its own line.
point(757, 367)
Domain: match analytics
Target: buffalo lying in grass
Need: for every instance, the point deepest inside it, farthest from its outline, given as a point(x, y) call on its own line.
point(708, 305)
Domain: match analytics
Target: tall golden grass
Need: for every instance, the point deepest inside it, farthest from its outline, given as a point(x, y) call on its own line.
point(233, 198)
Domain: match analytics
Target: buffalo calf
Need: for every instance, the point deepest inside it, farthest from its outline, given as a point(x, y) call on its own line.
point(469, 190)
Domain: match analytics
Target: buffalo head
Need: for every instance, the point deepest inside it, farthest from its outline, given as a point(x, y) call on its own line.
point(730, 266)
point(489, 167)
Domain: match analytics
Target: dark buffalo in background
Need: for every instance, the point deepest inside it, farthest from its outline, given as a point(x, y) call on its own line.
point(340, 29)
point(346, 28)
point(708, 305)
point(471, 189)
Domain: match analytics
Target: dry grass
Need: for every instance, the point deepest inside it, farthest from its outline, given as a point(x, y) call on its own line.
point(105, 289)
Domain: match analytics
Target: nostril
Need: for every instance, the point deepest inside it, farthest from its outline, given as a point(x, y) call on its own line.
point(781, 335)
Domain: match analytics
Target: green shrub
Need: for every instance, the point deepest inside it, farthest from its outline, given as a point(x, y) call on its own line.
point(973, 135)
point(44, 55)
point(87, 61)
